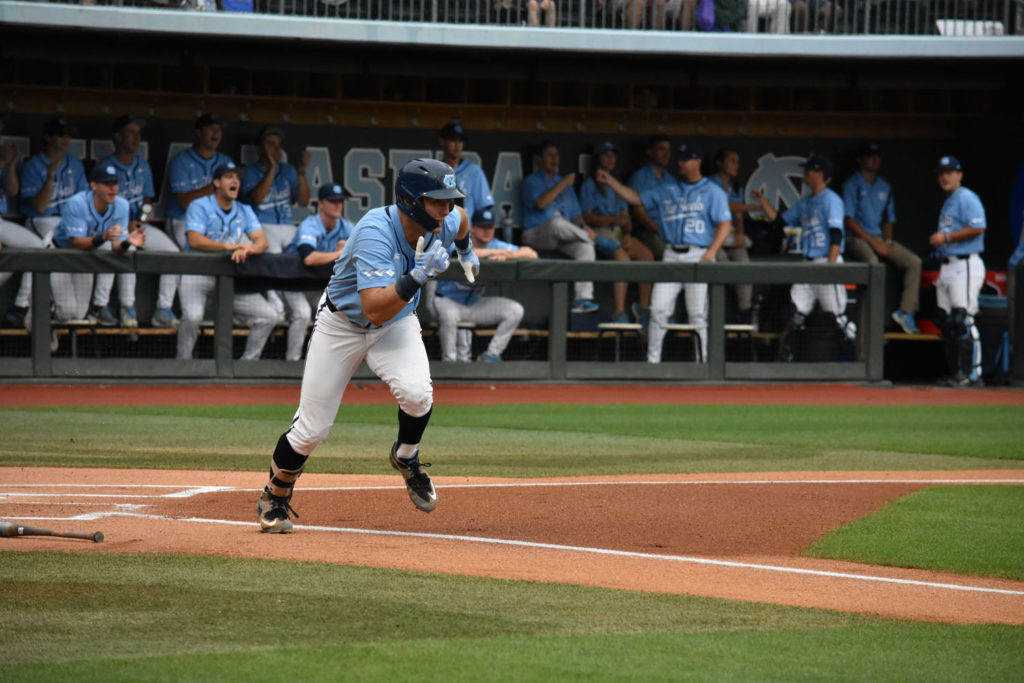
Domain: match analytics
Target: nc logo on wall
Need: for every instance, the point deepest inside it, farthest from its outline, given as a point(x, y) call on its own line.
point(776, 178)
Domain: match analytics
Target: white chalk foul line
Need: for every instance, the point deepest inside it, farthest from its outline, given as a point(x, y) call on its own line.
point(556, 546)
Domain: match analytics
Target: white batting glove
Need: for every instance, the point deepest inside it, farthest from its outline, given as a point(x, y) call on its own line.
point(429, 263)
point(470, 263)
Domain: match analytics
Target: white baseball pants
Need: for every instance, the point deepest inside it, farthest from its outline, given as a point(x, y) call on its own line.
point(252, 308)
point(488, 310)
point(663, 304)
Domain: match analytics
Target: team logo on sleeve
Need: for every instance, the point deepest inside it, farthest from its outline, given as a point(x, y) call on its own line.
point(449, 181)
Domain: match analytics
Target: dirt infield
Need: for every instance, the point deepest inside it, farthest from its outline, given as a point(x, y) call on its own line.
point(735, 536)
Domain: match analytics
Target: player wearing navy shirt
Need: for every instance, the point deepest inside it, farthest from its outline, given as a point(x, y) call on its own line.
point(820, 217)
point(219, 222)
point(135, 183)
point(959, 242)
point(190, 175)
point(870, 214)
point(367, 313)
point(94, 219)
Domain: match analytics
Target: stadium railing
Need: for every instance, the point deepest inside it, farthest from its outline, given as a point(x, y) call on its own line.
point(971, 18)
point(555, 278)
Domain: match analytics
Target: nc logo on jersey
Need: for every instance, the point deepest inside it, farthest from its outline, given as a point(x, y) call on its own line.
point(449, 181)
point(775, 177)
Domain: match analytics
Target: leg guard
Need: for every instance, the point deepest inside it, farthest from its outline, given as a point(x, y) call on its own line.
point(955, 334)
point(285, 468)
point(410, 429)
point(795, 322)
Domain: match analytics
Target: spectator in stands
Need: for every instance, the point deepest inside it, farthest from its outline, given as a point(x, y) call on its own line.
point(655, 172)
point(94, 219)
point(459, 301)
point(548, 7)
point(471, 178)
point(318, 242)
point(775, 13)
point(870, 213)
point(959, 242)
point(552, 219)
point(667, 14)
point(816, 16)
point(727, 168)
point(609, 214)
point(135, 183)
point(14, 235)
point(219, 222)
point(820, 215)
point(50, 178)
point(191, 172)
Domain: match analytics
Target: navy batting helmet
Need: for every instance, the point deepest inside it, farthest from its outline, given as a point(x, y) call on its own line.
point(425, 178)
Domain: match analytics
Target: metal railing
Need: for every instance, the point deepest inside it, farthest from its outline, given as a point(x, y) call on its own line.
point(556, 276)
point(971, 18)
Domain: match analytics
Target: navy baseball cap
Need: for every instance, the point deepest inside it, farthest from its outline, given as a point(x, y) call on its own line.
point(602, 147)
point(484, 218)
point(103, 173)
point(948, 164)
point(267, 132)
point(122, 121)
point(205, 120)
point(57, 126)
point(225, 169)
point(688, 152)
point(453, 131)
point(868, 149)
point(332, 193)
point(817, 162)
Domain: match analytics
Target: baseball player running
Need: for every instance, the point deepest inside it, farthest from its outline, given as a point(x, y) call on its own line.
point(958, 242)
point(820, 215)
point(367, 313)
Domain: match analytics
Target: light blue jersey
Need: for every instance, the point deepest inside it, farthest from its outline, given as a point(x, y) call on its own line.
point(566, 204)
point(189, 172)
point(732, 191)
point(134, 181)
point(644, 179)
point(607, 204)
point(3, 184)
point(81, 219)
point(377, 254)
point(816, 216)
point(312, 233)
point(207, 218)
point(962, 209)
point(70, 179)
point(473, 183)
point(685, 213)
point(276, 207)
point(867, 203)
point(463, 292)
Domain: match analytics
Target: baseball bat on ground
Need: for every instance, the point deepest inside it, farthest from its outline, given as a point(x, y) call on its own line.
point(8, 529)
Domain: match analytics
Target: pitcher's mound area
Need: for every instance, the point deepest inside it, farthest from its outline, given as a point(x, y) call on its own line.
point(734, 536)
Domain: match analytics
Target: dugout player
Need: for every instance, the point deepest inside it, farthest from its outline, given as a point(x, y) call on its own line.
point(191, 172)
point(820, 217)
point(14, 235)
point(219, 222)
point(50, 178)
point(959, 242)
point(367, 313)
point(471, 178)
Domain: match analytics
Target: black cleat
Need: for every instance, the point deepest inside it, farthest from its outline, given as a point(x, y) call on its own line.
point(421, 489)
point(273, 513)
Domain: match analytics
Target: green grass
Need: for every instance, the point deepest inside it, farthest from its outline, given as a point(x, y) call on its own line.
point(128, 618)
point(525, 440)
point(960, 529)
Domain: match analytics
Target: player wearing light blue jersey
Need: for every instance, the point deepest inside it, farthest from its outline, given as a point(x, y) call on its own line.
point(135, 183)
point(190, 175)
point(737, 244)
point(50, 178)
point(14, 236)
point(655, 172)
point(870, 214)
point(693, 219)
point(552, 219)
point(959, 242)
point(458, 301)
point(95, 219)
point(470, 177)
point(271, 185)
point(219, 222)
point(366, 313)
point(820, 217)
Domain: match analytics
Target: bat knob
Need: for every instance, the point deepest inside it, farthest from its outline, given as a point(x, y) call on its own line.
point(97, 537)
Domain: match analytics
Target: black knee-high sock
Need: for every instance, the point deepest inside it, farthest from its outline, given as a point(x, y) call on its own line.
point(285, 468)
point(410, 429)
